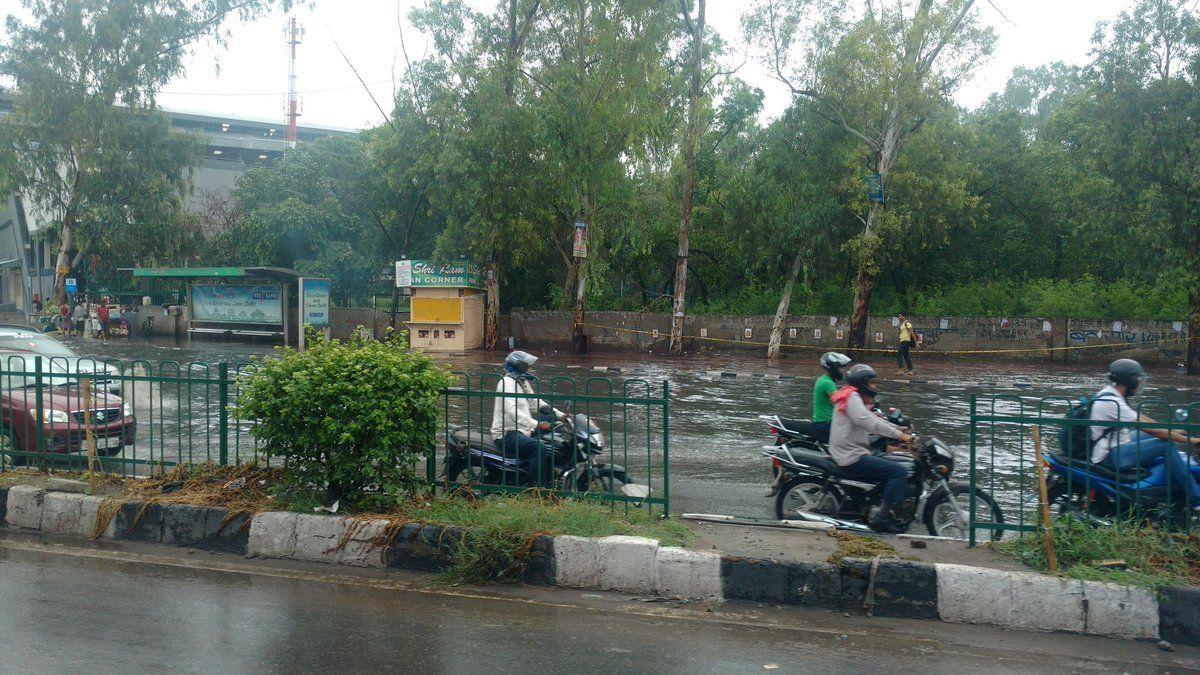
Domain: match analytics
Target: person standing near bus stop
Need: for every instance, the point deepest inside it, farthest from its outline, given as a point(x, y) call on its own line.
point(908, 340)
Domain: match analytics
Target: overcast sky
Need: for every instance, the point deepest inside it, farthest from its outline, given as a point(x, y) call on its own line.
point(248, 77)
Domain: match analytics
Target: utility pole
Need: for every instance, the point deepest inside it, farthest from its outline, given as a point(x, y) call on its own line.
point(294, 35)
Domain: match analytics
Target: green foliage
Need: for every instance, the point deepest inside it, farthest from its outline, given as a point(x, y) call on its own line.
point(349, 419)
point(1152, 557)
point(499, 529)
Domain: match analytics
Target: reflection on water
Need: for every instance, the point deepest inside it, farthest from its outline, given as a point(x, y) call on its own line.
point(715, 434)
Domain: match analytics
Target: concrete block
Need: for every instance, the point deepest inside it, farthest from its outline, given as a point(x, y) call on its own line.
point(61, 512)
point(539, 567)
point(425, 548)
point(627, 563)
point(1016, 599)
point(695, 575)
point(576, 562)
point(361, 549)
point(25, 507)
point(140, 522)
point(317, 537)
point(1179, 615)
point(273, 534)
point(183, 524)
point(1119, 611)
point(902, 588)
point(225, 533)
point(89, 513)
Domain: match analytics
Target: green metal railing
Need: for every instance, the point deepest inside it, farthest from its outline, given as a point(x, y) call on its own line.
point(143, 416)
point(1003, 462)
point(633, 418)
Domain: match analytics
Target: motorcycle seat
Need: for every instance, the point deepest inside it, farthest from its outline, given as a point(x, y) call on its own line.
point(1129, 476)
point(816, 460)
point(797, 427)
point(475, 439)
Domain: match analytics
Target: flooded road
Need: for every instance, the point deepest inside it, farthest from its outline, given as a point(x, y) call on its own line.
point(716, 436)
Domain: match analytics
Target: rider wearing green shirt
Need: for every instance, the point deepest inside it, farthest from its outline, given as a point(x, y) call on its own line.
point(826, 385)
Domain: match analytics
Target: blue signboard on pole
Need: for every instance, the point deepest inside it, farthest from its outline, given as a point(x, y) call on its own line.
point(875, 187)
point(71, 286)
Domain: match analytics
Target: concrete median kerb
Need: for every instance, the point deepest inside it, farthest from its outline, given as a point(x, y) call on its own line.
point(640, 566)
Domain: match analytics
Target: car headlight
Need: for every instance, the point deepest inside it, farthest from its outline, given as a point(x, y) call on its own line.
point(54, 416)
point(127, 409)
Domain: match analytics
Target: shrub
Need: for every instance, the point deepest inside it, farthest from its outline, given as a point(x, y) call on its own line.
point(349, 419)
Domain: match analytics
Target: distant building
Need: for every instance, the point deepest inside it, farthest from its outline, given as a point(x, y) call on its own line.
point(230, 146)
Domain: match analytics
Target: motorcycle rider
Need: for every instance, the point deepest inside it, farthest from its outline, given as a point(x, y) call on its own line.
point(825, 387)
point(1121, 449)
point(854, 421)
point(513, 425)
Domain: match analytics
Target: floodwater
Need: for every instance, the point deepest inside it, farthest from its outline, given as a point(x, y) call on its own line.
point(715, 433)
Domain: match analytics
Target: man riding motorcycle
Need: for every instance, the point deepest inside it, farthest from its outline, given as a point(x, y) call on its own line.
point(854, 422)
point(825, 387)
point(512, 423)
point(1125, 449)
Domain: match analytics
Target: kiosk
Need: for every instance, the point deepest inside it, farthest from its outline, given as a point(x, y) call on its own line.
point(447, 304)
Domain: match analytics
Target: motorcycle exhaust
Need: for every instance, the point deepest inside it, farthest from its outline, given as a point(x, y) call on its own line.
point(839, 524)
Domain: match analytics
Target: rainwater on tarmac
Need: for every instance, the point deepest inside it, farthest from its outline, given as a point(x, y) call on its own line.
point(715, 433)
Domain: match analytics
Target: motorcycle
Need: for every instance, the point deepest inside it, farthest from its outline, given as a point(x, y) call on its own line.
point(577, 447)
point(812, 487)
point(1094, 493)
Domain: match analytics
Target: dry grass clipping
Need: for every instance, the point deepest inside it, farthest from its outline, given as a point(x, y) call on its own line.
point(855, 546)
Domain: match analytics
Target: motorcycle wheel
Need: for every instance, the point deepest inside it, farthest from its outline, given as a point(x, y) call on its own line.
point(941, 517)
point(461, 469)
point(603, 483)
point(803, 493)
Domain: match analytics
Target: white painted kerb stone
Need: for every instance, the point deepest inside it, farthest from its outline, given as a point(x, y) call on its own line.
point(272, 535)
point(627, 563)
point(1121, 611)
point(61, 513)
point(24, 507)
point(1021, 600)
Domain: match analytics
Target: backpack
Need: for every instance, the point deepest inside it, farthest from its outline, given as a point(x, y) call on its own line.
point(1075, 440)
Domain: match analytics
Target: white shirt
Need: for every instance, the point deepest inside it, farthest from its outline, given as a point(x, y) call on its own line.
point(1111, 408)
point(851, 429)
point(510, 413)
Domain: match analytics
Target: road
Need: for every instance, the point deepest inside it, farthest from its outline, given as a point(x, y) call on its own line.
point(124, 608)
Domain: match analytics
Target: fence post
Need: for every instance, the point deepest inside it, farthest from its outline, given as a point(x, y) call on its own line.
point(971, 470)
point(223, 412)
point(666, 446)
point(37, 369)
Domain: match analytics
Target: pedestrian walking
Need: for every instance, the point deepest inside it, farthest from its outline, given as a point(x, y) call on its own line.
point(908, 340)
point(103, 316)
point(64, 314)
point(79, 319)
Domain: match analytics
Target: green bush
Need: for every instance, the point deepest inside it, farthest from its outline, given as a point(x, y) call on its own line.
point(348, 419)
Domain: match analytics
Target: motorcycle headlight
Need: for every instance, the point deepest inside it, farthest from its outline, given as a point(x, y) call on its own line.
point(598, 440)
point(127, 409)
point(54, 416)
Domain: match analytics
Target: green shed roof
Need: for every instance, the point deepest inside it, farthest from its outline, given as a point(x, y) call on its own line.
point(213, 272)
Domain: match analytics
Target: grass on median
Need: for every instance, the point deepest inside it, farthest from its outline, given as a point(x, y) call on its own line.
point(1151, 557)
point(500, 529)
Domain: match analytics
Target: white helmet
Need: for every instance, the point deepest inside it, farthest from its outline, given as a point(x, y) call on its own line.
point(834, 360)
point(519, 362)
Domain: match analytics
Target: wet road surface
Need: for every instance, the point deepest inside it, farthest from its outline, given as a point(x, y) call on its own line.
point(142, 609)
point(716, 435)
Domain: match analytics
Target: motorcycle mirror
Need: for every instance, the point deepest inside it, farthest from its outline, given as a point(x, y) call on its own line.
point(636, 491)
point(1181, 415)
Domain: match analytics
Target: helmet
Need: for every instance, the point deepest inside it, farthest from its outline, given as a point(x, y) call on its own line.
point(519, 362)
point(833, 362)
point(861, 377)
point(1127, 372)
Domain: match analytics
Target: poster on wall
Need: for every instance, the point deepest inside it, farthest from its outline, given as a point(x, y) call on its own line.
point(237, 304)
point(314, 294)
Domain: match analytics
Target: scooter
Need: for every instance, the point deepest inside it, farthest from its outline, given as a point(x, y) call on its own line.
point(1078, 488)
point(577, 446)
point(813, 488)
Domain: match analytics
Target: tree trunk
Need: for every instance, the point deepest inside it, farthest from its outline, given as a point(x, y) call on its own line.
point(1193, 333)
point(689, 180)
point(864, 282)
point(64, 258)
point(781, 313)
point(491, 285)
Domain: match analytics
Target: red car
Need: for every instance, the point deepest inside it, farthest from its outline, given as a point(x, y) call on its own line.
point(60, 414)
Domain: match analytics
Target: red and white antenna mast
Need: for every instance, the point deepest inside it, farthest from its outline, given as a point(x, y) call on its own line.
point(294, 35)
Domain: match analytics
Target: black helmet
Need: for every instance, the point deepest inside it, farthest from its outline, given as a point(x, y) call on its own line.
point(1127, 372)
point(518, 362)
point(833, 362)
point(861, 377)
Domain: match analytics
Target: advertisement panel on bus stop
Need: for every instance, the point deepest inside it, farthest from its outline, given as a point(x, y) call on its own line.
point(314, 294)
point(260, 304)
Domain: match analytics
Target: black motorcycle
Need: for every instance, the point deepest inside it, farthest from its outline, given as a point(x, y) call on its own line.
point(810, 486)
point(577, 447)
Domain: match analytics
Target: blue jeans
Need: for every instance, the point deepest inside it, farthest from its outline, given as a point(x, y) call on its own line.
point(903, 357)
point(874, 469)
point(821, 431)
point(534, 455)
point(1146, 451)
